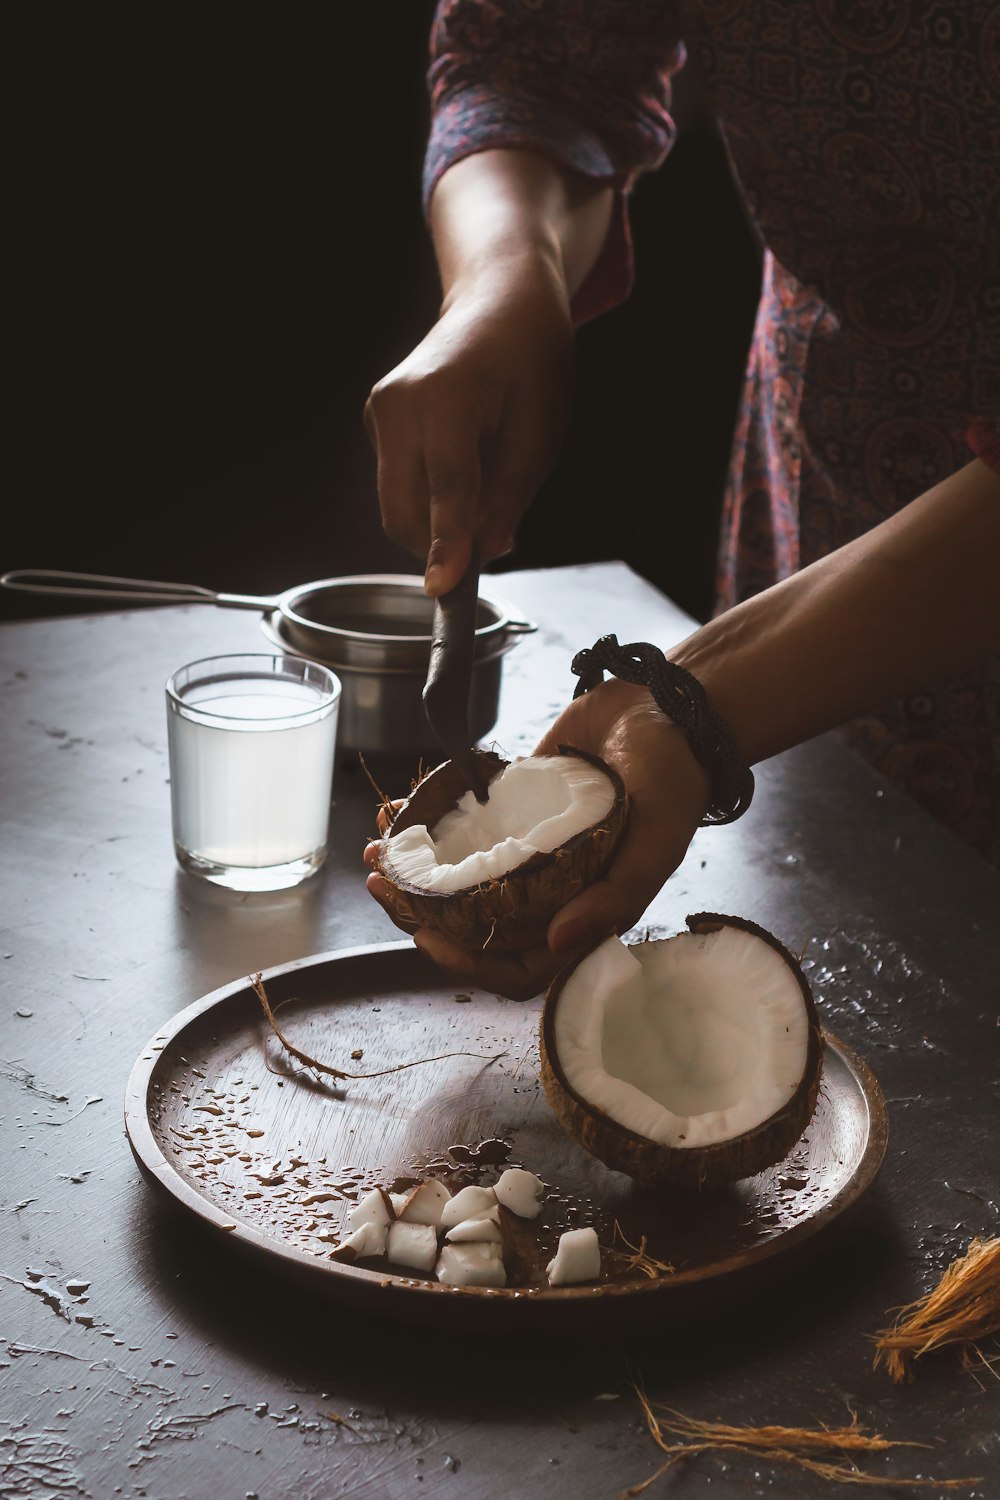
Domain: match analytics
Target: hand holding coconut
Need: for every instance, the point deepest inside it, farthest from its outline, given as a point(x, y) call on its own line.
point(767, 666)
point(666, 792)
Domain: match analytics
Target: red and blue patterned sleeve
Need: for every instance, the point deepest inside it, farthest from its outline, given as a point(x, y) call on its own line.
point(585, 82)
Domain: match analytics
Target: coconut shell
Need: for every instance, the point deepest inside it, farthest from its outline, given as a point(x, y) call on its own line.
point(514, 912)
point(697, 1167)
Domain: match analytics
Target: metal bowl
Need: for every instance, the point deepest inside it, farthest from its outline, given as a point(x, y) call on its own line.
point(374, 631)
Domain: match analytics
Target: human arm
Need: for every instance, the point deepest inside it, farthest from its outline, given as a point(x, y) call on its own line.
point(913, 599)
point(467, 426)
point(910, 601)
point(541, 120)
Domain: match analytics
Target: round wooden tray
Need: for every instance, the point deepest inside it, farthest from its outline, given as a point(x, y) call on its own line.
point(271, 1157)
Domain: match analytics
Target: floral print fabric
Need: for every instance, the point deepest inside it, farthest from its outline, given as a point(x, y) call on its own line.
point(865, 136)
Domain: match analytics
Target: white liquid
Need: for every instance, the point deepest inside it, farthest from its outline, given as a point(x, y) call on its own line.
point(252, 786)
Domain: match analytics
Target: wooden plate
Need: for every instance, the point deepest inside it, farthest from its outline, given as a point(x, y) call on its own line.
point(271, 1157)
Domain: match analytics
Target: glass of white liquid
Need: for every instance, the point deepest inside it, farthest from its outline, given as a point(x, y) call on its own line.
point(251, 768)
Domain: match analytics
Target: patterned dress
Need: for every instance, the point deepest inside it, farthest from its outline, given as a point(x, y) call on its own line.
point(865, 136)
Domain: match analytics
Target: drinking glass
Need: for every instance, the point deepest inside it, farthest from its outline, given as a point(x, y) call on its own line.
point(251, 742)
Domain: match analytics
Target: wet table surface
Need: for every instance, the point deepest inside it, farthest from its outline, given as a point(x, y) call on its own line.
point(140, 1357)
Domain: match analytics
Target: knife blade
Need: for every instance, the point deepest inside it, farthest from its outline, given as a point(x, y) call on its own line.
point(449, 675)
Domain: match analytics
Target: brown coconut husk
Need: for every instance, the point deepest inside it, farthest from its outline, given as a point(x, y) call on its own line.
point(683, 1437)
point(512, 913)
point(388, 806)
point(636, 1257)
point(963, 1310)
point(315, 1065)
point(698, 1167)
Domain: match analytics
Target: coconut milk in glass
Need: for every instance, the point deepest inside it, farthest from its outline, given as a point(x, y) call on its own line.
point(251, 768)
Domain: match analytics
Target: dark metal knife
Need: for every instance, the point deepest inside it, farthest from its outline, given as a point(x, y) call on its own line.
point(449, 675)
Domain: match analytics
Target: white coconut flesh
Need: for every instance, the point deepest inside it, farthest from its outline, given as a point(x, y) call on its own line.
point(471, 1265)
point(405, 1228)
point(535, 805)
point(468, 1203)
point(577, 1258)
point(412, 1245)
point(688, 1041)
point(484, 1231)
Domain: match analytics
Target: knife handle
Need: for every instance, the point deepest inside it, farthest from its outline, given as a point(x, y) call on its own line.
point(449, 675)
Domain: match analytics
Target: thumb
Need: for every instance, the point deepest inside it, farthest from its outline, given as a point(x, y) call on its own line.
point(619, 898)
point(587, 920)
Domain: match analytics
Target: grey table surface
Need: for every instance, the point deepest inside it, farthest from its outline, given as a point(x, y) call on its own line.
point(176, 1374)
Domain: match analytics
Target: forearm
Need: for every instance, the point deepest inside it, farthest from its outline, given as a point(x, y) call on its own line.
point(915, 599)
point(501, 214)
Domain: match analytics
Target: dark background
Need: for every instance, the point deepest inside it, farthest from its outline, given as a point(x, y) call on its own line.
point(219, 248)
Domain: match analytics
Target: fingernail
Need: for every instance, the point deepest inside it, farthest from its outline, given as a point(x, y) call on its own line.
point(433, 579)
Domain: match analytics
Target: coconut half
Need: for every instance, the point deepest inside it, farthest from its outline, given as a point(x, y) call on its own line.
point(496, 873)
point(694, 1060)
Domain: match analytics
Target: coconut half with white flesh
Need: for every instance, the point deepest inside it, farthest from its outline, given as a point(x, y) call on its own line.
point(693, 1060)
point(496, 873)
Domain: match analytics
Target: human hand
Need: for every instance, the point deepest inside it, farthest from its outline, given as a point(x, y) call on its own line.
point(468, 425)
point(668, 796)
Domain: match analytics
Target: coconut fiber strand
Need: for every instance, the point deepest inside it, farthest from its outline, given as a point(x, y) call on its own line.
point(827, 1452)
point(963, 1309)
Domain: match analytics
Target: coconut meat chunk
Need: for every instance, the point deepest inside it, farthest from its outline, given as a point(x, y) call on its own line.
point(374, 1208)
point(577, 1258)
point(687, 1042)
point(471, 1265)
point(535, 805)
point(369, 1240)
point(468, 1203)
point(412, 1245)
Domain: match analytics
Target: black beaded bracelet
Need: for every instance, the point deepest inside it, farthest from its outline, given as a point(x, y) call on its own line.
point(682, 698)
